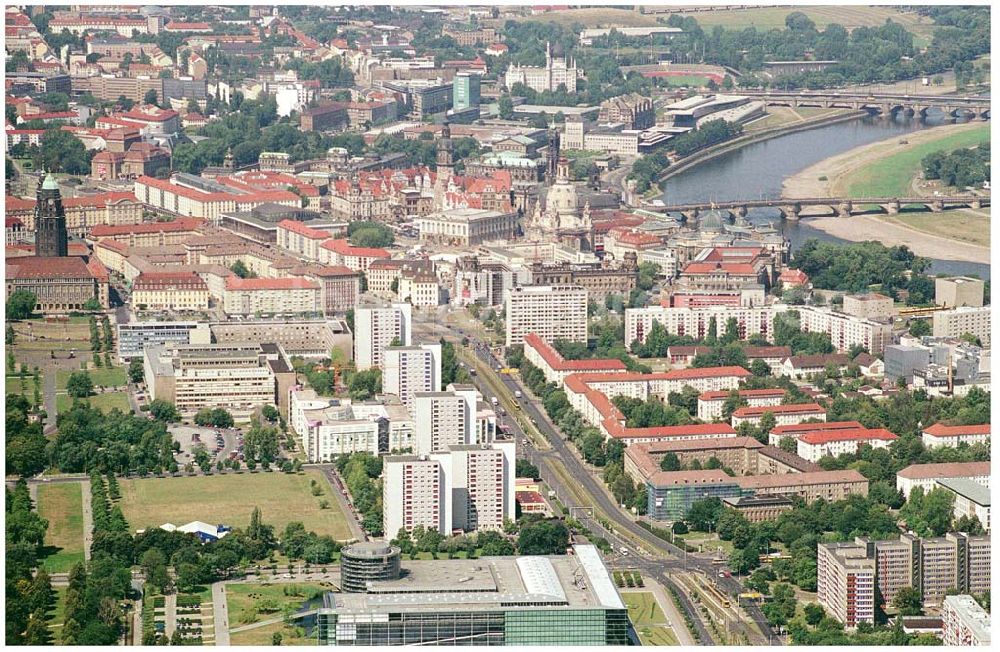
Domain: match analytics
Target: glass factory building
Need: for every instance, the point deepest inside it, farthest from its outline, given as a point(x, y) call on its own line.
point(531, 600)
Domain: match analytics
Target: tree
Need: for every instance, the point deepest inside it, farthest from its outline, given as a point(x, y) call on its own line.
point(704, 514)
point(61, 151)
point(79, 384)
point(908, 601)
point(670, 462)
point(506, 108)
point(365, 384)
point(760, 368)
point(814, 613)
point(276, 638)
point(525, 469)
point(240, 269)
point(543, 537)
point(136, 373)
point(164, 411)
point(920, 327)
point(20, 305)
point(150, 97)
point(270, 413)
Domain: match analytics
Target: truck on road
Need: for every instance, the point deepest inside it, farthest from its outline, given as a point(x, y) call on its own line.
point(517, 393)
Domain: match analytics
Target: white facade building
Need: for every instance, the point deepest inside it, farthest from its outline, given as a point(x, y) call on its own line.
point(964, 622)
point(557, 71)
point(376, 328)
point(411, 369)
point(814, 446)
point(553, 312)
point(926, 476)
point(414, 493)
point(845, 330)
point(967, 319)
point(695, 321)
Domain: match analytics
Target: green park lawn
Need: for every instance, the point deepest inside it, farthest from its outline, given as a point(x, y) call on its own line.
point(264, 634)
point(647, 618)
point(892, 176)
point(250, 603)
point(62, 506)
point(56, 613)
point(964, 225)
point(101, 377)
point(230, 499)
point(13, 386)
point(105, 402)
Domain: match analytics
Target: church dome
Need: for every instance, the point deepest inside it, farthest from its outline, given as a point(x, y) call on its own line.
point(713, 220)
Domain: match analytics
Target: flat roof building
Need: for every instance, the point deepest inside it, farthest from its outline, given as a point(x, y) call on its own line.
point(532, 600)
point(553, 312)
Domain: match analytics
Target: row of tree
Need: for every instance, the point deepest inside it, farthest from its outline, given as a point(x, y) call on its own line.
point(961, 167)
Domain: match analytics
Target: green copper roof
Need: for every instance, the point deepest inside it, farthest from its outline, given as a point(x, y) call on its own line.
point(50, 183)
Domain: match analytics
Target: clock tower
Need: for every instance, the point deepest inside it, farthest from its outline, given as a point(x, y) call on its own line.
point(50, 220)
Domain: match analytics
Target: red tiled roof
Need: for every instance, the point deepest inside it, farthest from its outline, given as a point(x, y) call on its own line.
point(793, 276)
point(945, 470)
point(556, 361)
point(180, 224)
point(744, 393)
point(706, 372)
point(291, 283)
point(529, 498)
point(331, 271)
point(674, 478)
point(734, 269)
point(799, 479)
point(303, 230)
point(807, 408)
point(344, 248)
point(941, 430)
point(149, 114)
point(49, 267)
point(861, 434)
point(174, 26)
point(675, 431)
point(165, 280)
point(18, 204)
point(812, 427)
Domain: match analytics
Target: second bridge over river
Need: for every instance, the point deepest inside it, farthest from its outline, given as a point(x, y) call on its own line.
point(841, 206)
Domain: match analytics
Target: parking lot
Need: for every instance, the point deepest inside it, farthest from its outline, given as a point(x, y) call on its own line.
point(221, 444)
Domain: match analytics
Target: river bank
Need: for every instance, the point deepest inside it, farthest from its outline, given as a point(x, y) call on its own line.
point(833, 177)
point(961, 239)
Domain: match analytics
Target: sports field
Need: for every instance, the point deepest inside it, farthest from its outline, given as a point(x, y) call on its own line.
point(62, 506)
point(231, 498)
point(764, 18)
point(647, 618)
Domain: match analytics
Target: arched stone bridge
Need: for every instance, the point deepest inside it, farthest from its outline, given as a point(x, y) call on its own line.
point(885, 104)
point(841, 206)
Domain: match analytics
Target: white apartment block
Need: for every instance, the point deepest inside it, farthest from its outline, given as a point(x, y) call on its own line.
point(465, 487)
point(967, 319)
point(845, 330)
point(410, 369)
point(814, 446)
point(695, 321)
point(481, 480)
point(329, 427)
point(964, 622)
point(300, 239)
point(926, 476)
point(665, 257)
point(553, 312)
point(442, 420)
point(481, 418)
point(421, 290)
point(784, 415)
point(414, 493)
point(845, 583)
point(376, 328)
point(710, 404)
point(939, 435)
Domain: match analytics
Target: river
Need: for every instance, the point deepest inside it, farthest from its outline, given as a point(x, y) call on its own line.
point(757, 171)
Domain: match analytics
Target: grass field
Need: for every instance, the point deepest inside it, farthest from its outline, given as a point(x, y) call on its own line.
point(56, 613)
point(594, 17)
point(62, 506)
point(648, 619)
point(13, 386)
point(104, 402)
point(778, 116)
point(246, 602)
point(709, 542)
point(893, 175)
point(685, 80)
point(764, 18)
point(230, 499)
point(963, 225)
point(102, 377)
point(263, 636)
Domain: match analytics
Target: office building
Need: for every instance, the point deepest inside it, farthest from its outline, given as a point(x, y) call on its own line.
point(378, 328)
point(958, 291)
point(553, 312)
point(304, 338)
point(670, 494)
point(465, 93)
point(809, 485)
point(248, 296)
point(177, 291)
point(902, 360)
point(845, 583)
point(407, 370)
point(135, 336)
point(567, 600)
point(328, 427)
point(961, 321)
point(964, 622)
point(239, 378)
